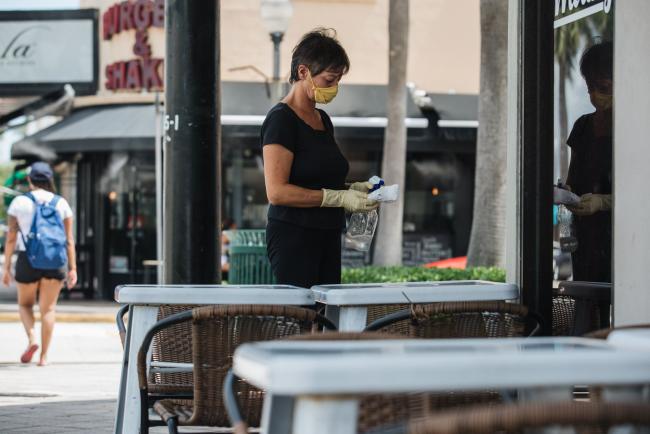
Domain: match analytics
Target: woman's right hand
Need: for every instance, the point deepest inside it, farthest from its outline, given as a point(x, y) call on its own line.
point(6, 276)
point(72, 278)
point(351, 200)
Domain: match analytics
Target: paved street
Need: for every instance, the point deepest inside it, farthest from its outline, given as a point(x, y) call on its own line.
point(75, 393)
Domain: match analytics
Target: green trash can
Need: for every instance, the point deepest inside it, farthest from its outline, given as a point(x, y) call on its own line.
point(249, 263)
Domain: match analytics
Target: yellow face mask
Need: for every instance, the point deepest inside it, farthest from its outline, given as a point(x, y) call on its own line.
point(601, 101)
point(323, 95)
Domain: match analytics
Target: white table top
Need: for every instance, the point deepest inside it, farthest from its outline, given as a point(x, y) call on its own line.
point(416, 292)
point(213, 294)
point(630, 339)
point(338, 367)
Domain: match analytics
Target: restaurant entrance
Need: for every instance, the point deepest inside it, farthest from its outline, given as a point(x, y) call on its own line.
point(129, 192)
point(560, 111)
point(117, 224)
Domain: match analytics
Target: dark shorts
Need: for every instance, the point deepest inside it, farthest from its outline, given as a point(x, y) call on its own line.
point(25, 273)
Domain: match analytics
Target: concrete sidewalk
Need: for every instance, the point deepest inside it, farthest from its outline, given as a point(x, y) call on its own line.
point(76, 393)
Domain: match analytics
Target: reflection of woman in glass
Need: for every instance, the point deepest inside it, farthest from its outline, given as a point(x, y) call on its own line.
point(590, 170)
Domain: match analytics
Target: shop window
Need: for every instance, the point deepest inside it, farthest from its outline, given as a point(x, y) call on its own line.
point(583, 141)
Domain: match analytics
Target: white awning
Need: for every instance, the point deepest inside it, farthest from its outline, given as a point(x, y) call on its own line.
point(338, 121)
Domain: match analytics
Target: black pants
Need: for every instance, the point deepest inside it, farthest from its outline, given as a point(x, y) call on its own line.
point(303, 256)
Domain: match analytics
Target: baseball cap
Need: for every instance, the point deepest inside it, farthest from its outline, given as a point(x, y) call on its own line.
point(40, 171)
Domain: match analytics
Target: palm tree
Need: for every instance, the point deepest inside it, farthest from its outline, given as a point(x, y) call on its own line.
point(487, 245)
point(388, 247)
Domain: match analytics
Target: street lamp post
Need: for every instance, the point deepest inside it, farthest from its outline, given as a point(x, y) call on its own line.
point(276, 37)
point(276, 15)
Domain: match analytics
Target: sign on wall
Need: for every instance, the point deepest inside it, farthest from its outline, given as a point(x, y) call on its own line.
point(144, 71)
point(40, 51)
point(569, 11)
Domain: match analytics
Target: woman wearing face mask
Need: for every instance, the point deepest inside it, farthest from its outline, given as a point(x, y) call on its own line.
point(304, 170)
point(590, 170)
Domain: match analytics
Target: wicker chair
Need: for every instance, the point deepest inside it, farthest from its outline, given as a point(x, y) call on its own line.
point(489, 319)
point(177, 348)
point(172, 345)
point(444, 320)
point(580, 307)
point(585, 417)
point(386, 404)
point(119, 321)
point(216, 333)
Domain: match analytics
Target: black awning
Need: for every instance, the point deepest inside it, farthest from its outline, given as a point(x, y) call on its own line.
point(93, 129)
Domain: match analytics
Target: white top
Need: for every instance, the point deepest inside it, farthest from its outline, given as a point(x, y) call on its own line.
point(23, 209)
point(412, 365)
point(416, 292)
point(213, 294)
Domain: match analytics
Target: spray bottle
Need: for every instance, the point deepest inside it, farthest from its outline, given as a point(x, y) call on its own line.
point(362, 225)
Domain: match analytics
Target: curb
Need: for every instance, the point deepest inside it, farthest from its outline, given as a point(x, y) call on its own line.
point(63, 317)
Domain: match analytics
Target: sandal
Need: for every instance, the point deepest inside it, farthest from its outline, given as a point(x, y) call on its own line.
point(28, 354)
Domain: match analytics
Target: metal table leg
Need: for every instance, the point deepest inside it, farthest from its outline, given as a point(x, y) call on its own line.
point(277, 414)
point(127, 420)
point(325, 415)
point(352, 318)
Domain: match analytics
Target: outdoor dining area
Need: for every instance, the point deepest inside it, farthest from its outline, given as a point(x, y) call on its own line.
point(425, 357)
point(527, 354)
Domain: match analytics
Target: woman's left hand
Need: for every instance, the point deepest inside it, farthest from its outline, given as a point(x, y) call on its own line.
point(363, 187)
point(6, 277)
point(72, 278)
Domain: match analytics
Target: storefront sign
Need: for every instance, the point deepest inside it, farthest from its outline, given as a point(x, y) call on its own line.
point(42, 51)
point(144, 72)
point(578, 9)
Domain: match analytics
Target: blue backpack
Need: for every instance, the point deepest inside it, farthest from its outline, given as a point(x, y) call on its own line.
point(45, 244)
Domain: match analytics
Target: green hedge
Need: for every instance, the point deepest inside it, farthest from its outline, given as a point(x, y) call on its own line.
point(420, 274)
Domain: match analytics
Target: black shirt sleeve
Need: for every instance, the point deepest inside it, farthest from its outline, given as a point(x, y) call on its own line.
point(578, 132)
point(279, 129)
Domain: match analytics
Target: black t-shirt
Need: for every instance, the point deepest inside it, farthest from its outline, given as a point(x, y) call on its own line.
point(317, 163)
point(590, 171)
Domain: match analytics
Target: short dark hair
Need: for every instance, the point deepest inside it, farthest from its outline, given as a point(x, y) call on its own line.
point(319, 50)
point(597, 62)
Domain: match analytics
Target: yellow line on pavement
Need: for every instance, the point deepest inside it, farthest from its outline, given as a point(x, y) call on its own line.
point(64, 317)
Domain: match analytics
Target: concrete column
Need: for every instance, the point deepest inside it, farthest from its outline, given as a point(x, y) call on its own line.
point(631, 163)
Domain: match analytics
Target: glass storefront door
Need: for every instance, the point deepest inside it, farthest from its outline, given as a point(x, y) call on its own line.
point(583, 71)
point(129, 193)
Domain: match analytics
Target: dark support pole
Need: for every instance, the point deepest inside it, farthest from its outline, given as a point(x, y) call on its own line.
point(537, 164)
point(192, 143)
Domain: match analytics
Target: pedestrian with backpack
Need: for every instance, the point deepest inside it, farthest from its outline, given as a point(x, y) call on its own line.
point(40, 231)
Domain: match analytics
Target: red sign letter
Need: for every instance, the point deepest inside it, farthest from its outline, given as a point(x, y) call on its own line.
point(158, 19)
point(126, 11)
point(133, 76)
point(151, 78)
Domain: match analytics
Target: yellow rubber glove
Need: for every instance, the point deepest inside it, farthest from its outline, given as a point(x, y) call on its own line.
point(351, 200)
point(592, 203)
point(363, 186)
